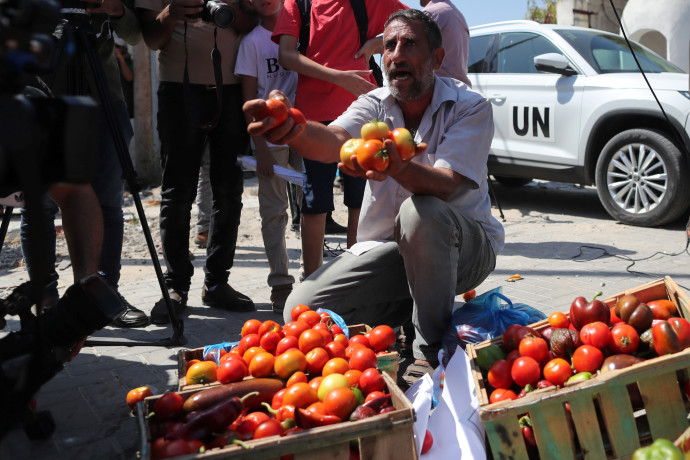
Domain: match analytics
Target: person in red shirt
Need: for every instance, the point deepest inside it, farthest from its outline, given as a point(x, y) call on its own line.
point(333, 72)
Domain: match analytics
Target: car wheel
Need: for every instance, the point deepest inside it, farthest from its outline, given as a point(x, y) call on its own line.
point(513, 181)
point(641, 178)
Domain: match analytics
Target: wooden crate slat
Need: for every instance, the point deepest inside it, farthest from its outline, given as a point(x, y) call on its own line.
point(387, 445)
point(552, 431)
point(339, 451)
point(619, 419)
point(587, 426)
point(506, 438)
point(664, 405)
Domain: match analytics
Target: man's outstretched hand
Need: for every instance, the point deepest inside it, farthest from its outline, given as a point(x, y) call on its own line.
point(395, 166)
point(266, 126)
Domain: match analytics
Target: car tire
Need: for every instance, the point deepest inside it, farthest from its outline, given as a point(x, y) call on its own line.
point(513, 181)
point(641, 178)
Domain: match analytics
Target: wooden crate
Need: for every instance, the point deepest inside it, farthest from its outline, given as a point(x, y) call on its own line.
point(382, 437)
point(387, 362)
point(603, 421)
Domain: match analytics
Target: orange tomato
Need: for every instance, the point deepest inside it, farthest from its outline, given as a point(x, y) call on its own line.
point(335, 366)
point(261, 365)
point(316, 359)
point(269, 325)
point(202, 372)
point(559, 320)
point(300, 395)
point(662, 308)
point(289, 362)
point(372, 155)
point(353, 376)
point(310, 317)
point(137, 394)
point(310, 339)
point(249, 354)
point(340, 402)
point(297, 377)
point(469, 295)
point(298, 310)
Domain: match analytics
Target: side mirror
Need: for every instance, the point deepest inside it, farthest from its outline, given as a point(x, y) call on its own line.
point(554, 63)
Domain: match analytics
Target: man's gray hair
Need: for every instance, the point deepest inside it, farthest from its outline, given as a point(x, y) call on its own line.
point(433, 33)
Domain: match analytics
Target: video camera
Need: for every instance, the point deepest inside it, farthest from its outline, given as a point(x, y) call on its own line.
point(216, 12)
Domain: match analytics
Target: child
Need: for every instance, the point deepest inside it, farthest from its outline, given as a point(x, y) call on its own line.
point(257, 65)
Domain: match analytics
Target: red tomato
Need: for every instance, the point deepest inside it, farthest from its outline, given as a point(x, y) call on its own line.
point(315, 383)
point(300, 395)
point(559, 320)
point(335, 366)
point(274, 108)
point(587, 358)
point(349, 149)
point(682, 328)
point(428, 442)
point(525, 370)
point(376, 394)
point(310, 339)
point(501, 394)
point(614, 318)
point(191, 362)
point(335, 349)
point(297, 377)
point(402, 138)
point(137, 394)
point(310, 317)
point(251, 326)
point(595, 333)
point(251, 421)
point(231, 370)
point(297, 116)
point(247, 342)
point(525, 331)
point(269, 325)
point(269, 341)
point(512, 356)
point(624, 339)
point(289, 362)
point(340, 402)
point(499, 374)
point(382, 337)
point(534, 347)
point(295, 327)
point(469, 295)
point(324, 331)
point(371, 380)
point(277, 400)
point(270, 427)
point(168, 405)
point(353, 376)
point(372, 155)
point(341, 339)
point(558, 371)
point(363, 358)
point(316, 359)
point(286, 343)
point(298, 310)
point(360, 339)
point(374, 130)
point(508, 338)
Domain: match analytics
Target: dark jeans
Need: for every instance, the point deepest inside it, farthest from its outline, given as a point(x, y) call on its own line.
point(182, 145)
point(108, 186)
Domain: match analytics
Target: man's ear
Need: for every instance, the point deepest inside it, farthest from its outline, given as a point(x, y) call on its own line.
point(439, 54)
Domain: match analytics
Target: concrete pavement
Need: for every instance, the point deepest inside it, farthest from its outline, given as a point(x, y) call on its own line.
point(559, 239)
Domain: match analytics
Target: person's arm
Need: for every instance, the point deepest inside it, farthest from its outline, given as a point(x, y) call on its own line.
point(350, 80)
point(371, 47)
point(157, 27)
point(127, 73)
point(264, 159)
point(122, 18)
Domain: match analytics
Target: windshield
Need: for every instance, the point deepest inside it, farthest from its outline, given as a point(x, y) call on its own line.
point(609, 53)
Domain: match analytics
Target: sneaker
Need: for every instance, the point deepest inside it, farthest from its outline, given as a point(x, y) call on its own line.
point(159, 313)
point(279, 295)
point(201, 239)
point(225, 297)
point(333, 227)
point(132, 317)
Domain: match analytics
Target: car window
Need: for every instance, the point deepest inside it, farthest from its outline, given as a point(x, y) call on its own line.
point(608, 53)
point(480, 59)
point(516, 51)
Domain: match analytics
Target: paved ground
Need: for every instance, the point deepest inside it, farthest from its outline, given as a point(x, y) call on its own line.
point(559, 239)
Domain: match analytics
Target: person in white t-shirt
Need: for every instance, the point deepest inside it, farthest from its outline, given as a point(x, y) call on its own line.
point(257, 66)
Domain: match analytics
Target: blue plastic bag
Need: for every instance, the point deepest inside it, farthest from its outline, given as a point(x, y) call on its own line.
point(486, 317)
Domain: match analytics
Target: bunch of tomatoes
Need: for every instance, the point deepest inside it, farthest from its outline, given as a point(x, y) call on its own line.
point(369, 149)
point(327, 377)
point(594, 338)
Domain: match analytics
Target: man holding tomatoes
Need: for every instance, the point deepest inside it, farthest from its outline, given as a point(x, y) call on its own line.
point(426, 233)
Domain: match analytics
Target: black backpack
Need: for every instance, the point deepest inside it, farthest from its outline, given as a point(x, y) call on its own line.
point(360, 9)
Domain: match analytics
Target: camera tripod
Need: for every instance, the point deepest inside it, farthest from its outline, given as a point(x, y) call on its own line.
point(75, 26)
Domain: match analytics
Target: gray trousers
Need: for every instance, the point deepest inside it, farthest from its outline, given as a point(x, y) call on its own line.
point(437, 254)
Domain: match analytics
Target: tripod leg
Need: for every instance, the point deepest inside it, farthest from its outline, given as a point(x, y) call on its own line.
point(128, 172)
point(6, 217)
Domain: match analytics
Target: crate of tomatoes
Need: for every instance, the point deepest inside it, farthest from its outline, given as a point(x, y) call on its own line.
point(318, 342)
point(598, 381)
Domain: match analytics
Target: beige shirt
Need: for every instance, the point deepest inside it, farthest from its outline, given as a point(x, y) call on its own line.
point(171, 58)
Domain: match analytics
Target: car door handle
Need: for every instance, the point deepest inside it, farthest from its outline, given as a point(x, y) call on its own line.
point(497, 98)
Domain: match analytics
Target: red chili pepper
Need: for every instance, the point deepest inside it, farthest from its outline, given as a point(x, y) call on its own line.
point(307, 419)
point(527, 431)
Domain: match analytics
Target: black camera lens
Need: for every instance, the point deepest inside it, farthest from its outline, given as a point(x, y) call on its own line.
point(219, 13)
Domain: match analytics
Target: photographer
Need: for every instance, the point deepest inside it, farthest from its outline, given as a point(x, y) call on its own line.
point(199, 99)
point(73, 76)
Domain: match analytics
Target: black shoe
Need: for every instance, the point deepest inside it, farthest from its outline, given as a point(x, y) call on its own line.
point(225, 297)
point(333, 227)
point(132, 317)
point(159, 313)
point(279, 295)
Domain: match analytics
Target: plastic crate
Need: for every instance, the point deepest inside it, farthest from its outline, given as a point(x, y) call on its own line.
point(604, 420)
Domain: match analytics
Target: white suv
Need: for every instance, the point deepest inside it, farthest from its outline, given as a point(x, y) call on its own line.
point(571, 106)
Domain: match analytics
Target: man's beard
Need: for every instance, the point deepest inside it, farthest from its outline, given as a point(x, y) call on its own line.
point(423, 80)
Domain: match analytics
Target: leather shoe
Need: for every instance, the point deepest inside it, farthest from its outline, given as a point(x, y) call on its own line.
point(201, 239)
point(225, 297)
point(132, 317)
point(159, 313)
point(333, 227)
point(279, 295)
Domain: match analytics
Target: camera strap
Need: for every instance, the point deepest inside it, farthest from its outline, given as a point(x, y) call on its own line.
point(192, 107)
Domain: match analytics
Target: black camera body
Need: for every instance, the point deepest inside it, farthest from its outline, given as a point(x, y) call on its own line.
point(216, 12)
